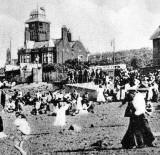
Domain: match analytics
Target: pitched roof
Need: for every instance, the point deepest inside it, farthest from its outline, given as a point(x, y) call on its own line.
point(156, 34)
point(72, 43)
point(57, 41)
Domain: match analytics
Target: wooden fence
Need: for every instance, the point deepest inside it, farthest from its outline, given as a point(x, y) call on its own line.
point(53, 76)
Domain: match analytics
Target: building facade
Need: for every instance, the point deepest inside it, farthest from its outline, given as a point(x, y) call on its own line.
point(39, 48)
point(156, 47)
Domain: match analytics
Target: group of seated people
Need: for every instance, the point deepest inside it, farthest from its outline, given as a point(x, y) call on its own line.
point(48, 102)
point(6, 84)
point(77, 103)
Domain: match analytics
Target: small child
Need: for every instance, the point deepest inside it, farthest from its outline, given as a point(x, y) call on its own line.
point(100, 95)
point(23, 129)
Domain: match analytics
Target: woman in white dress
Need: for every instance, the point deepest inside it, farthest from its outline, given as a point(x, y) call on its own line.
point(81, 108)
point(100, 95)
point(79, 103)
point(60, 119)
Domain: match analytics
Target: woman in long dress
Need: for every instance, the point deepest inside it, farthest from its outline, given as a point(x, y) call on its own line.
point(2, 134)
point(79, 104)
point(100, 95)
point(60, 119)
point(138, 133)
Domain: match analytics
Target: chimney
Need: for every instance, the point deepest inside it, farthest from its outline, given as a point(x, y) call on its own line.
point(26, 35)
point(69, 36)
point(64, 32)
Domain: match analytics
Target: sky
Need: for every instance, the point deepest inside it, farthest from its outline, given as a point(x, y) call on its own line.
point(94, 22)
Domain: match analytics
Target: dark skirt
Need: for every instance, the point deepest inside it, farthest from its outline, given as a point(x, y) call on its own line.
point(1, 124)
point(138, 133)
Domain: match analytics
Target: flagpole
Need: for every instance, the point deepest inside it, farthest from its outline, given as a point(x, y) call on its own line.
point(113, 51)
point(37, 5)
point(101, 56)
point(114, 59)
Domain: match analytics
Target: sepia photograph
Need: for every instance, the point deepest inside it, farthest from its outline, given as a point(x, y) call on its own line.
point(79, 77)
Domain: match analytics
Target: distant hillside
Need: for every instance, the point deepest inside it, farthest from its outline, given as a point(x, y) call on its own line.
point(143, 57)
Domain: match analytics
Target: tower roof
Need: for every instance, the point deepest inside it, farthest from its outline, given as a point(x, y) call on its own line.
point(38, 14)
point(156, 34)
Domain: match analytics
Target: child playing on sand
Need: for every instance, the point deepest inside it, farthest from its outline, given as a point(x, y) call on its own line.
point(24, 131)
point(100, 95)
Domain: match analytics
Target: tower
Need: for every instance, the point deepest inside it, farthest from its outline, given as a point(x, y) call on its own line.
point(37, 27)
point(64, 32)
point(8, 55)
point(69, 36)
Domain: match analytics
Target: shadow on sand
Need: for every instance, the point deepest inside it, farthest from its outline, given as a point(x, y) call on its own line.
point(88, 150)
point(108, 126)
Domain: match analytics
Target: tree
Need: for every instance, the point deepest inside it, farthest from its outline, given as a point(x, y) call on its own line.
point(136, 62)
point(75, 64)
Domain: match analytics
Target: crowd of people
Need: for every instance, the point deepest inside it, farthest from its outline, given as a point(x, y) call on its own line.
point(139, 92)
point(58, 103)
point(49, 102)
point(115, 90)
point(98, 76)
point(126, 87)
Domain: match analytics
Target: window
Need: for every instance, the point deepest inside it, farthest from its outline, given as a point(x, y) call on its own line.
point(27, 58)
point(45, 58)
point(50, 57)
point(41, 25)
point(36, 58)
point(22, 59)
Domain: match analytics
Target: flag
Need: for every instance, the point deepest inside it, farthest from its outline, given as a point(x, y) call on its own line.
point(42, 8)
